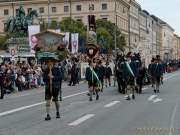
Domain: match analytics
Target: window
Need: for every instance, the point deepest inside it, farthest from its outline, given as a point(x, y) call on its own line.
point(6, 12)
point(41, 10)
point(104, 6)
point(5, 25)
point(66, 8)
point(104, 18)
point(53, 9)
point(17, 11)
point(79, 20)
point(29, 10)
point(91, 7)
point(78, 7)
point(124, 10)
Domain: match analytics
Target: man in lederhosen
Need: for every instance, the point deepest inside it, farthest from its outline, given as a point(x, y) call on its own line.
point(93, 81)
point(157, 73)
point(52, 77)
point(100, 70)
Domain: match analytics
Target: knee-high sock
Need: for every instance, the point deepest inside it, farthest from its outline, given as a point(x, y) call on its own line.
point(57, 106)
point(48, 104)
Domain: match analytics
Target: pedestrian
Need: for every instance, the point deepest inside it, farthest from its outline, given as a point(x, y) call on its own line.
point(52, 77)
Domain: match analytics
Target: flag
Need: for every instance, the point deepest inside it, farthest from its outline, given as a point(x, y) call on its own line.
point(74, 42)
point(66, 39)
point(32, 30)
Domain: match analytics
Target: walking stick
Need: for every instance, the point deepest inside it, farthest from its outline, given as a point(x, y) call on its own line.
point(50, 79)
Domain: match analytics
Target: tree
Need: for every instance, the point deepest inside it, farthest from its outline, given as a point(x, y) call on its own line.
point(104, 38)
point(73, 26)
point(53, 25)
point(3, 44)
point(111, 29)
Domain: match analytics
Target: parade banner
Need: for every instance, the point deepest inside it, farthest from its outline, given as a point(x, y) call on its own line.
point(66, 39)
point(32, 30)
point(74, 42)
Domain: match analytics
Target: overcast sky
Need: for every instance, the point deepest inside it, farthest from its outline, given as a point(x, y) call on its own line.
point(167, 10)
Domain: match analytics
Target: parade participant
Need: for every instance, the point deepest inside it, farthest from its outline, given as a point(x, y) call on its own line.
point(93, 80)
point(52, 77)
point(157, 73)
point(150, 71)
point(108, 74)
point(100, 72)
point(120, 75)
point(130, 78)
point(140, 77)
point(1, 83)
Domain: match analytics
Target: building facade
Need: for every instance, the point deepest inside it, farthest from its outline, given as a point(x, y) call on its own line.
point(167, 41)
point(176, 47)
point(134, 25)
point(143, 42)
point(57, 10)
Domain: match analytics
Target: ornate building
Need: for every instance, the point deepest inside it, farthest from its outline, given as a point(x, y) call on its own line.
point(115, 11)
point(134, 25)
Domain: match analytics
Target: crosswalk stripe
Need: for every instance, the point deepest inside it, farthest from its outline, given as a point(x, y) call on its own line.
point(157, 100)
point(111, 104)
point(81, 120)
point(152, 97)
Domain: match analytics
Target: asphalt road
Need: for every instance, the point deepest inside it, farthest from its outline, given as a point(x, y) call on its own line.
point(149, 114)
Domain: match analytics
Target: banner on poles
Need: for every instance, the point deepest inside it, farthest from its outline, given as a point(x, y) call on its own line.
point(32, 30)
point(66, 39)
point(74, 42)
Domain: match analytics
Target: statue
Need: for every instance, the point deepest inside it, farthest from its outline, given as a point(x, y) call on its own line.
point(19, 24)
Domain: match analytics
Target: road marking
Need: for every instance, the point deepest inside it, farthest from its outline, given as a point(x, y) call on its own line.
point(145, 88)
point(152, 97)
point(157, 100)
point(173, 117)
point(37, 104)
point(169, 77)
point(111, 104)
point(20, 109)
point(81, 120)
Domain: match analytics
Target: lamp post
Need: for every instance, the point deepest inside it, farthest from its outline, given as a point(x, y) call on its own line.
point(12, 3)
point(129, 22)
point(115, 30)
point(48, 13)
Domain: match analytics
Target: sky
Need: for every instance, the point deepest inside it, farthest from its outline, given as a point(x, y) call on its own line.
point(167, 10)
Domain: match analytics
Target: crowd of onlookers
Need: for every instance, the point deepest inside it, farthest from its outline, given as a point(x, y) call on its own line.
point(21, 76)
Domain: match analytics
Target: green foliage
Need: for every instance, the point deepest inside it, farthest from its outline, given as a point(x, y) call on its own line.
point(111, 29)
point(104, 38)
point(53, 25)
point(73, 26)
point(3, 44)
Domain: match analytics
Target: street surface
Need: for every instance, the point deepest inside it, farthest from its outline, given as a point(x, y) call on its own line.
point(149, 114)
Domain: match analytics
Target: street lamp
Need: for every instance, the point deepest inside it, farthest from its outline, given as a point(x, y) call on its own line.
point(48, 12)
point(12, 3)
point(129, 21)
point(115, 30)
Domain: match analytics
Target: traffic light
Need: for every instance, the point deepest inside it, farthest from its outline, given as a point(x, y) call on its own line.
point(92, 23)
